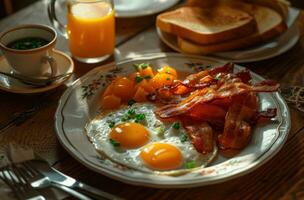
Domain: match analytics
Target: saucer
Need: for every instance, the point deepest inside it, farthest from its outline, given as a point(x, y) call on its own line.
point(64, 63)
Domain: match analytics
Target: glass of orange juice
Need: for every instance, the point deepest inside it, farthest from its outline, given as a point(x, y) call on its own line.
point(90, 28)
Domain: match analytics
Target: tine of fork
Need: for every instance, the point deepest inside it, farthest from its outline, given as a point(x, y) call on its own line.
point(12, 183)
point(30, 168)
point(6, 179)
point(25, 171)
point(20, 174)
point(19, 178)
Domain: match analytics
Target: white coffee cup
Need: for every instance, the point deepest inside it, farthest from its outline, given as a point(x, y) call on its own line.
point(34, 62)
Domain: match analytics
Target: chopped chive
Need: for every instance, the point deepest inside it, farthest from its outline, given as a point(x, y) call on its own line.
point(124, 118)
point(160, 131)
point(176, 125)
point(144, 65)
point(183, 138)
point(168, 79)
point(147, 77)
point(131, 112)
point(114, 143)
point(111, 123)
point(138, 79)
point(139, 117)
point(140, 66)
point(218, 77)
point(131, 102)
point(136, 67)
point(190, 164)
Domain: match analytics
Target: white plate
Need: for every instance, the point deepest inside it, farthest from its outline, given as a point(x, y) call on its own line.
point(64, 63)
point(267, 50)
point(137, 8)
point(79, 104)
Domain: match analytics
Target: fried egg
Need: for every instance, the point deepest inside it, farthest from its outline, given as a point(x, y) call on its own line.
point(134, 137)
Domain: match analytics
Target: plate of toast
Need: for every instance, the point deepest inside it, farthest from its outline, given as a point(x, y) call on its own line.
point(234, 30)
point(137, 8)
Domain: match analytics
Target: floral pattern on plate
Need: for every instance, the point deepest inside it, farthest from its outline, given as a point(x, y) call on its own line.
point(79, 104)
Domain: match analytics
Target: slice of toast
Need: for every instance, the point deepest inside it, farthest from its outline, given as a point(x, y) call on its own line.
point(281, 6)
point(207, 25)
point(269, 23)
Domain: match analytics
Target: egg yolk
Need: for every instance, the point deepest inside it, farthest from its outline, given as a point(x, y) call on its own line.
point(161, 156)
point(130, 135)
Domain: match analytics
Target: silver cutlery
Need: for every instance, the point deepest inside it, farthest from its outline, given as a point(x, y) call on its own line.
point(20, 186)
point(42, 175)
point(37, 180)
point(36, 82)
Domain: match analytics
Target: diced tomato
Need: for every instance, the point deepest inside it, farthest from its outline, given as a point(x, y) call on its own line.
point(140, 95)
point(123, 88)
point(146, 72)
point(110, 102)
point(168, 70)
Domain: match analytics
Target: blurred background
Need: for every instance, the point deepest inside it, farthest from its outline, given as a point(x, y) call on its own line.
point(8, 7)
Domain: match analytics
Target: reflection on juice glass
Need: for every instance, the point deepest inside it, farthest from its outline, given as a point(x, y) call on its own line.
point(91, 30)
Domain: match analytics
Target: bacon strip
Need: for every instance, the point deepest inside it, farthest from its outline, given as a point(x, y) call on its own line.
point(218, 101)
point(209, 94)
point(237, 131)
point(201, 136)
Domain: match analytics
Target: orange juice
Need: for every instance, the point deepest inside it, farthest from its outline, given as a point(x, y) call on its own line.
point(91, 29)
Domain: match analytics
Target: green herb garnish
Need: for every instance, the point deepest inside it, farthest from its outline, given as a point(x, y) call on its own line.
point(147, 77)
point(217, 77)
point(131, 102)
point(131, 112)
point(139, 117)
point(136, 67)
point(144, 65)
point(114, 143)
point(124, 118)
point(111, 124)
point(138, 79)
point(190, 164)
point(160, 130)
point(183, 138)
point(168, 79)
point(176, 125)
point(141, 66)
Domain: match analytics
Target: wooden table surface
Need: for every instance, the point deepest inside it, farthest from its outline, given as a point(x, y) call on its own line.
point(29, 120)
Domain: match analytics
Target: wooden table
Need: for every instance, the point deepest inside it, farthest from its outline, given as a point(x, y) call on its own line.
point(29, 120)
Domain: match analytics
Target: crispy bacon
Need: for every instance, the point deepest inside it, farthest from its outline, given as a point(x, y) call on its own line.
point(262, 117)
point(227, 68)
point(201, 135)
point(266, 86)
point(237, 131)
point(218, 101)
point(208, 94)
point(244, 76)
point(210, 113)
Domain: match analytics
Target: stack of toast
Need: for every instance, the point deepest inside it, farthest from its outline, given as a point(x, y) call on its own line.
point(210, 26)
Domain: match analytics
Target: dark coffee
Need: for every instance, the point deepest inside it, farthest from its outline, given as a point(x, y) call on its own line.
point(27, 43)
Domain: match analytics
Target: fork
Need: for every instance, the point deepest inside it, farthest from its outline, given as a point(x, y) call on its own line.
point(20, 186)
point(42, 175)
point(38, 180)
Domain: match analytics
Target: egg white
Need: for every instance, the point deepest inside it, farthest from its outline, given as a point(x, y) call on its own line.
point(98, 132)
